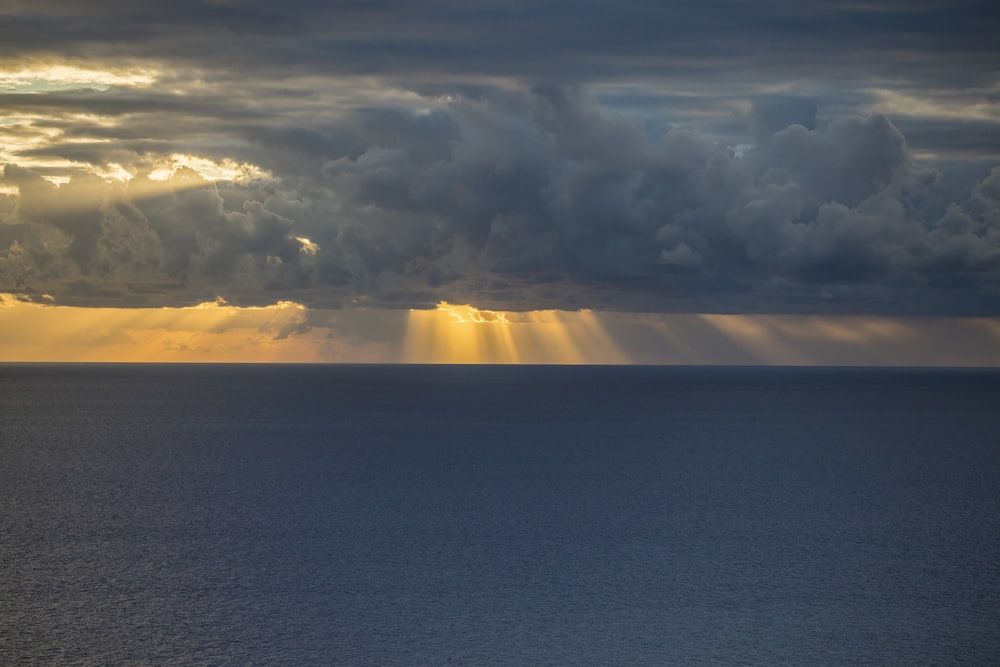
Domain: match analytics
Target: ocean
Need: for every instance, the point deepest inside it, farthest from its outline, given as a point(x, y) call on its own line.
point(487, 515)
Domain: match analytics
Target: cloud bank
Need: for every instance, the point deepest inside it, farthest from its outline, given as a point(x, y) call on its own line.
point(699, 157)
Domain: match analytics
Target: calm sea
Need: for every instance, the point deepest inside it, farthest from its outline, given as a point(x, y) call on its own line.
point(434, 515)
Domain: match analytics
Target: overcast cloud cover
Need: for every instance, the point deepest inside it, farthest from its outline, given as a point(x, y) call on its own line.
point(706, 156)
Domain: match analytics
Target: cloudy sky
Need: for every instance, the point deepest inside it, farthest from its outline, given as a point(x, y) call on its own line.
point(318, 176)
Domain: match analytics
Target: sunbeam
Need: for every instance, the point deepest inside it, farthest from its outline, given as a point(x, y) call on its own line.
point(464, 334)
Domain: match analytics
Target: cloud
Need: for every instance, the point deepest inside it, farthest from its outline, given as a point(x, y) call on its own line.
point(554, 38)
point(89, 236)
point(725, 157)
point(510, 192)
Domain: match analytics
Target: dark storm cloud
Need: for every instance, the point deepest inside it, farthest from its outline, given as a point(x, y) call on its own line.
point(527, 199)
point(175, 235)
point(693, 58)
point(682, 155)
point(578, 39)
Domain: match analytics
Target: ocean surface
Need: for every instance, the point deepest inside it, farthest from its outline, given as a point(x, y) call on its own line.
point(438, 515)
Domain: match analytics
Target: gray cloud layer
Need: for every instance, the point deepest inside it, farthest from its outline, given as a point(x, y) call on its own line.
point(622, 155)
point(549, 38)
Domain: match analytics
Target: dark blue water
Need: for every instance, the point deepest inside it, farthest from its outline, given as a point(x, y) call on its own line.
point(487, 515)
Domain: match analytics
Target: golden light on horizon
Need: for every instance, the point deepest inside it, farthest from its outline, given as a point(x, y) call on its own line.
point(289, 332)
point(458, 334)
point(208, 332)
point(464, 334)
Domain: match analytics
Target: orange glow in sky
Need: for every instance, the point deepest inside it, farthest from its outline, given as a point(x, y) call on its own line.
point(207, 332)
point(289, 332)
point(464, 334)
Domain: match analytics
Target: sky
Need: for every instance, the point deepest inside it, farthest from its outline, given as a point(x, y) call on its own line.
point(501, 181)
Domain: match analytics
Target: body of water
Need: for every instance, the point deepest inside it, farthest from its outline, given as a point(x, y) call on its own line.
point(434, 515)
